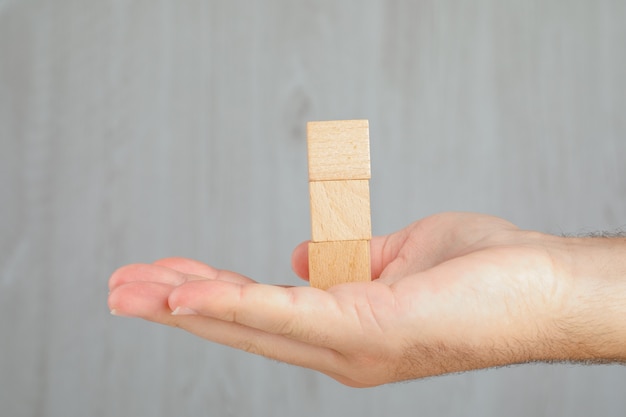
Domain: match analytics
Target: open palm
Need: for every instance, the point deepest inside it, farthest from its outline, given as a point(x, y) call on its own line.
point(452, 292)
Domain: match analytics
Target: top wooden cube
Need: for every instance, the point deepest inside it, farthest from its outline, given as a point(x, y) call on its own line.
point(338, 150)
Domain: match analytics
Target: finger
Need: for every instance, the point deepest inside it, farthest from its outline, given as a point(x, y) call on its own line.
point(197, 268)
point(261, 343)
point(299, 313)
point(148, 301)
point(186, 266)
point(380, 254)
point(146, 273)
point(300, 260)
point(165, 275)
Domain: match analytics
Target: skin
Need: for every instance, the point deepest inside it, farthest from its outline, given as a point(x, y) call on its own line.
point(450, 293)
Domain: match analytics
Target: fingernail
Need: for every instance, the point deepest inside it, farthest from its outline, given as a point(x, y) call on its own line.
point(183, 311)
point(114, 312)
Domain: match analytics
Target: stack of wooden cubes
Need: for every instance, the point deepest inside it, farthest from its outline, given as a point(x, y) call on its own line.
point(339, 174)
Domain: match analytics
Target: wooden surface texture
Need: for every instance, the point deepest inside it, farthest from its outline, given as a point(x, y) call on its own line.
point(338, 150)
point(340, 210)
point(341, 227)
point(339, 262)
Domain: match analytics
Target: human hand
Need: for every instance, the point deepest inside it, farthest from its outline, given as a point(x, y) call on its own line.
point(452, 292)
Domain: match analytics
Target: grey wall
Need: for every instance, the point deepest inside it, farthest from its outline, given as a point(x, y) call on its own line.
point(134, 130)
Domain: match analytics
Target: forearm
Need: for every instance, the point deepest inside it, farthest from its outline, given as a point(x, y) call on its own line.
point(593, 321)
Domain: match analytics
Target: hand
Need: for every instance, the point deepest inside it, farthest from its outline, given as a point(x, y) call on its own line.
point(452, 292)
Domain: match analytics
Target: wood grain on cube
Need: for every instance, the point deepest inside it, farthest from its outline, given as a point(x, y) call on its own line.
point(332, 263)
point(338, 150)
point(340, 210)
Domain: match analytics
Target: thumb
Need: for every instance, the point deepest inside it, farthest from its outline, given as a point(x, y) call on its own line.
point(300, 260)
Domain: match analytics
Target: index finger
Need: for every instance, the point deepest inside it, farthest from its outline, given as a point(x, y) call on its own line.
point(301, 313)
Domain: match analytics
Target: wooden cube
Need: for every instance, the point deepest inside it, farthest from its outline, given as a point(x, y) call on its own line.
point(338, 150)
point(332, 263)
point(340, 210)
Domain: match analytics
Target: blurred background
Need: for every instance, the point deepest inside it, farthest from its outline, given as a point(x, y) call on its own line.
point(135, 130)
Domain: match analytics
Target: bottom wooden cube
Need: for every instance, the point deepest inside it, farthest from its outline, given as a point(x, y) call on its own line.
point(338, 262)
